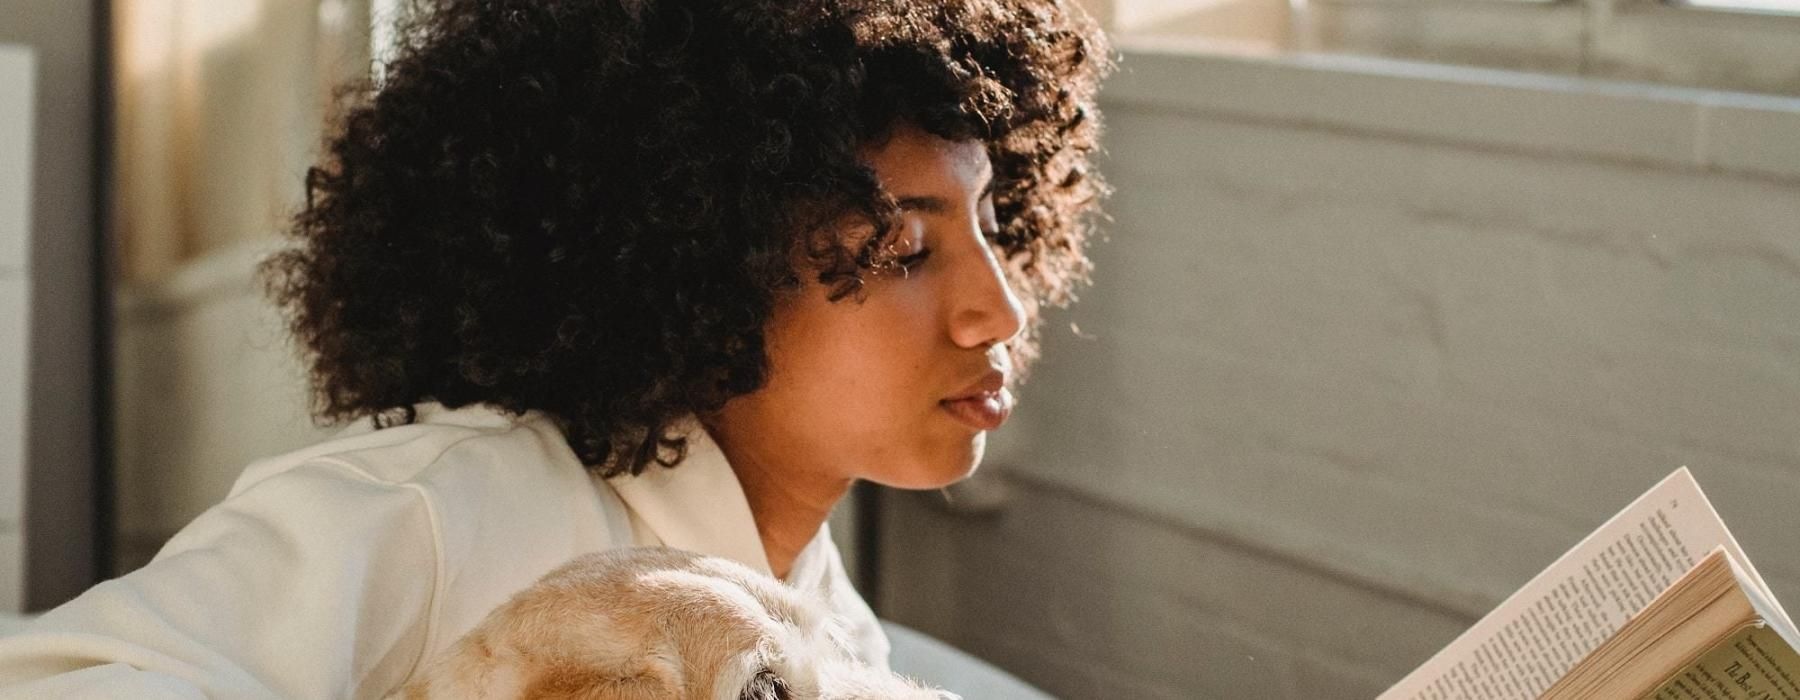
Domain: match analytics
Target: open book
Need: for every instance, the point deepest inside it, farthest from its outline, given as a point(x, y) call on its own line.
point(1658, 603)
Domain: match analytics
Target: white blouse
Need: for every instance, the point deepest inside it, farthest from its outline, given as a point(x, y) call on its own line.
point(338, 570)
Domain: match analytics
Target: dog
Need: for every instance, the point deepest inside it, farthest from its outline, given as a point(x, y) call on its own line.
point(653, 623)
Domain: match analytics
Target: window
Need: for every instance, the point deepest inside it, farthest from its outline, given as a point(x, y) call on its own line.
point(1743, 45)
point(220, 104)
point(1783, 7)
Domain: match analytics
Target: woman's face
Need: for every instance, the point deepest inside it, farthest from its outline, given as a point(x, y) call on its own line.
point(901, 388)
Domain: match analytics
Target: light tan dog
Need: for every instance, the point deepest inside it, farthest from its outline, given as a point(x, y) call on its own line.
point(651, 623)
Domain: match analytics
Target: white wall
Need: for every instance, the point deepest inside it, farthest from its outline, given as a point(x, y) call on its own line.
point(18, 78)
point(1371, 344)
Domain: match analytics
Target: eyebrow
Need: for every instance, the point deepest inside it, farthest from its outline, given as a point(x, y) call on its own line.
point(933, 204)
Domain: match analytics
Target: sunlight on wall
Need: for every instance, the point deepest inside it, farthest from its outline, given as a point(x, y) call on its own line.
point(220, 104)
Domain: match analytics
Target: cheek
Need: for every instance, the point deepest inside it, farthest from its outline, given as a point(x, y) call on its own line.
point(862, 383)
point(867, 377)
point(863, 359)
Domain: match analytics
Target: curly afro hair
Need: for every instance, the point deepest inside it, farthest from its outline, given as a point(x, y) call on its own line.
point(590, 207)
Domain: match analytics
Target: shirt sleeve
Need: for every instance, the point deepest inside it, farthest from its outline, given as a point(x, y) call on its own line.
point(316, 582)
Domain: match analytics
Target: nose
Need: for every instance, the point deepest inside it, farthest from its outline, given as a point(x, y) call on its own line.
point(986, 311)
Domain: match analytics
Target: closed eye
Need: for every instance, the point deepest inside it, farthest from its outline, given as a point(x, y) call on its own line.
point(911, 261)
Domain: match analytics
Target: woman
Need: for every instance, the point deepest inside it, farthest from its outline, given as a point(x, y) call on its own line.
point(587, 274)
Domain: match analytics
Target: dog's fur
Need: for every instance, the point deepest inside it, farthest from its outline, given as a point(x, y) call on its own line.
point(651, 623)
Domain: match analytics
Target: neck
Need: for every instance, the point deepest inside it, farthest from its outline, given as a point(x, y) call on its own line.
point(789, 501)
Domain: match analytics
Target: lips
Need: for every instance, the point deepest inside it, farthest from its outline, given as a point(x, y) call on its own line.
point(989, 384)
point(984, 405)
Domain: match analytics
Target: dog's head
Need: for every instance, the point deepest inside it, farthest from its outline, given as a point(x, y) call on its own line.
point(654, 623)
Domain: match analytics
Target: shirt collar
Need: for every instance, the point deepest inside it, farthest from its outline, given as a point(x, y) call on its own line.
point(698, 505)
point(811, 568)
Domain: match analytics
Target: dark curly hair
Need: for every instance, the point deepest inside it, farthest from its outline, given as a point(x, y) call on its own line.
point(590, 207)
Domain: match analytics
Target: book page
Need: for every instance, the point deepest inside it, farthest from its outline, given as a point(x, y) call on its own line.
point(1539, 632)
point(1753, 664)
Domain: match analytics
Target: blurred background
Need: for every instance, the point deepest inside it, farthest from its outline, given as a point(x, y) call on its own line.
point(1400, 299)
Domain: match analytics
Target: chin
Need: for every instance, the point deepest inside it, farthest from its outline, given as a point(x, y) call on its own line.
point(936, 473)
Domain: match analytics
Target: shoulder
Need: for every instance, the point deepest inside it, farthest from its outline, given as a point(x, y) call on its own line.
point(499, 498)
point(495, 488)
point(498, 488)
point(441, 444)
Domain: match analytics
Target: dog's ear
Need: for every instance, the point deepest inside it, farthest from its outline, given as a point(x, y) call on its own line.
point(595, 686)
point(765, 685)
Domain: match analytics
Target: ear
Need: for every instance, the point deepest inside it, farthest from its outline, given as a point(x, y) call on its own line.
point(569, 684)
point(765, 685)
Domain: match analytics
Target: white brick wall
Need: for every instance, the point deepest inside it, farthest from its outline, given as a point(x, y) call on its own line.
point(1371, 344)
point(17, 86)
